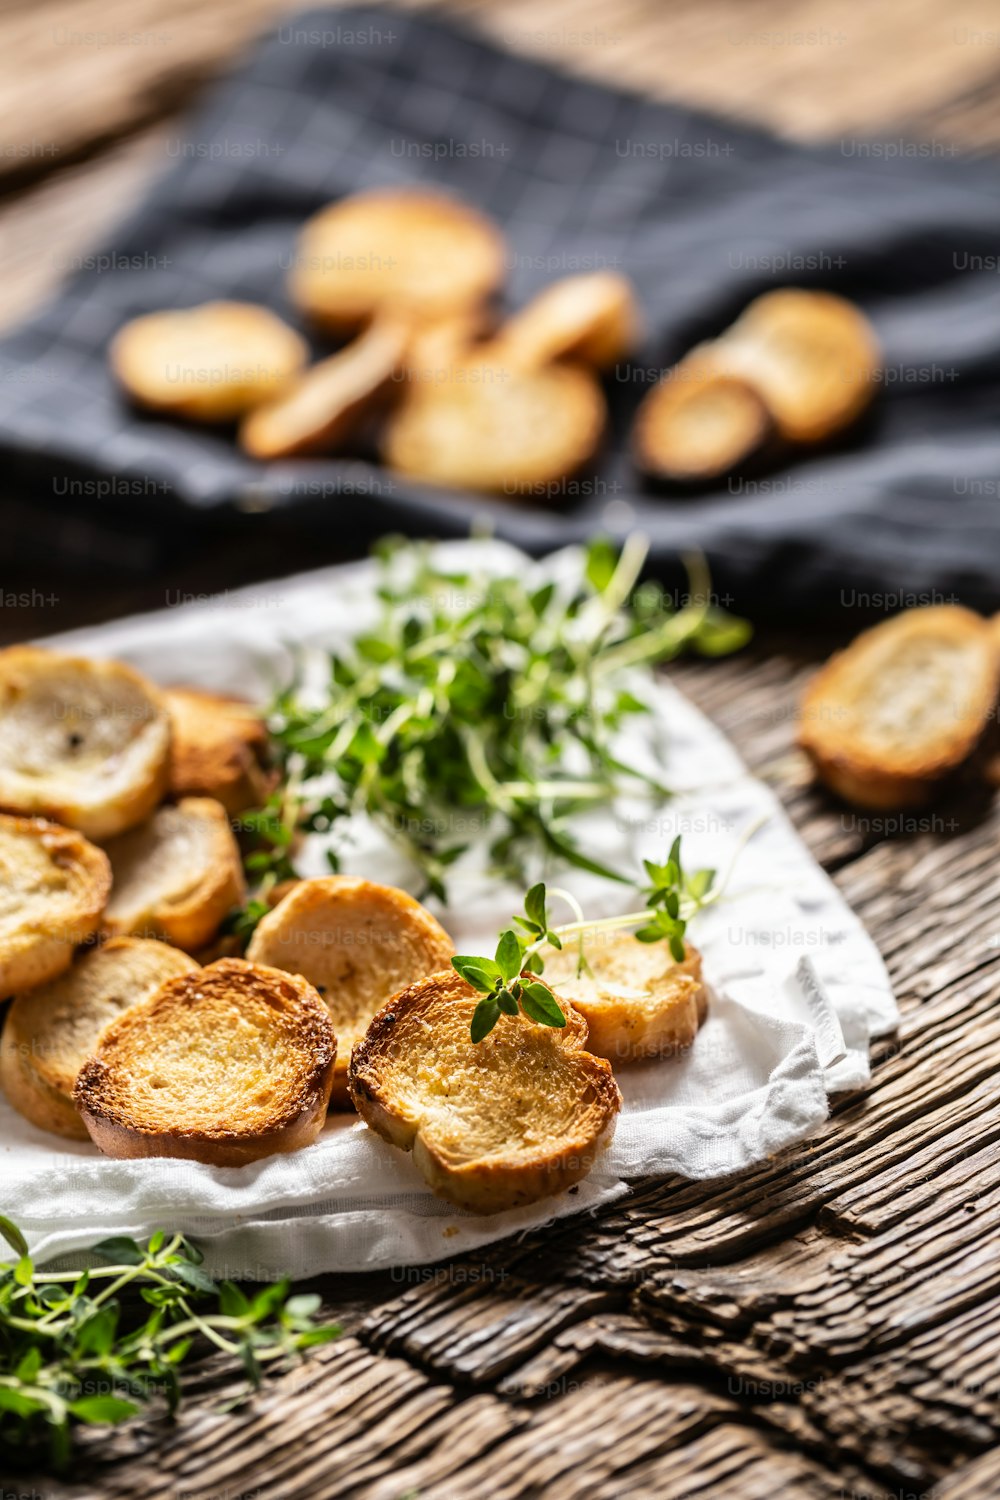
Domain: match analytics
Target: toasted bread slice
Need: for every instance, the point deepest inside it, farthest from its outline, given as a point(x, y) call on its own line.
point(403, 250)
point(207, 364)
point(224, 1065)
point(357, 943)
point(438, 352)
point(592, 319)
point(813, 357)
point(699, 422)
point(328, 404)
point(86, 743)
point(219, 748)
point(53, 886)
point(175, 876)
point(488, 427)
point(637, 1000)
point(494, 1124)
point(907, 702)
point(50, 1032)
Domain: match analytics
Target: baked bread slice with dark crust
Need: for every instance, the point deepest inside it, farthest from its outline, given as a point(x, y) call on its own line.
point(224, 1065)
point(492, 1125)
point(637, 1000)
point(358, 943)
point(906, 704)
point(53, 886)
point(51, 1031)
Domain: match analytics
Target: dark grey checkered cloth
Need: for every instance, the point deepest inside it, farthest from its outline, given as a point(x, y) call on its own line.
point(702, 214)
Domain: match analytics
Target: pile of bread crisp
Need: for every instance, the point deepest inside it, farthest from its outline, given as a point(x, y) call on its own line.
point(405, 282)
point(132, 1020)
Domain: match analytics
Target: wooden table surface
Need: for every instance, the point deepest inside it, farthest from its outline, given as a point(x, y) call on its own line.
point(827, 1324)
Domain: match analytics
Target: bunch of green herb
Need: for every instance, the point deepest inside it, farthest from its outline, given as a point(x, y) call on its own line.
point(671, 898)
point(92, 1346)
point(487, 702)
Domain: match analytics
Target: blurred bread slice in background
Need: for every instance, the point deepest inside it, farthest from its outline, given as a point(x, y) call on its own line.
point(592, 319)
point(700, 422)
point(519, 433)
point(207, 364)
point(329, 404)
point(813, 357)
point(410, 251)
point(887, 720)
point(219, 748)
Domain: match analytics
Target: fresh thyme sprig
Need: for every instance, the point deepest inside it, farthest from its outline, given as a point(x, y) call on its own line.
point(91, 1346)
point(482, 704)
point(671, 898)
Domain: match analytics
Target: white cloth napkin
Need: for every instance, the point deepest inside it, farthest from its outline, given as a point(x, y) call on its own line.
point(798, 988)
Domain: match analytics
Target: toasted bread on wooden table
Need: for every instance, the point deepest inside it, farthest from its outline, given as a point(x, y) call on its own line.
point(886, 720)
point(812, 356)
point(207, 364)
point(176, 876)
point(86, 743)
point(493, 428)
point(53, 886)
point(219, 748)
point(493, 1124)
point(591, 318)
point(700, 421)
point(358, 943)
point(408, 250)
point(329, 403)
point(638, 1002)
point(51, 1031)
point(224, 1065)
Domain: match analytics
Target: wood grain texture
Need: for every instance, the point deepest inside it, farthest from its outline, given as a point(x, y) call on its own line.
point(827, 1324)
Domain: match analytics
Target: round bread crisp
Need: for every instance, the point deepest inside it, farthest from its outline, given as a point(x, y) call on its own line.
point(219, 748)
point(51, 1031)
point(638, 1002)
point(327, 405)
point(86, 743)
point(591, 318)
point(358, 943)
point(812, 356)
point(224, 1065)
point(492, 1125)
point(519, 433)
point(401, 249)
point(176, 876)
point(700, 421)
point(53, 886)
point(886, 720)
point(207, 364)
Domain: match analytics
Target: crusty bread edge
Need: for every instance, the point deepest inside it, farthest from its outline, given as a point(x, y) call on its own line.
point(492, 1186)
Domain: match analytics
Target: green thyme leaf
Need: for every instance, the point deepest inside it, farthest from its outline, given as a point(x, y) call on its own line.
point(482, 973)
point(540, 1005)
point(484, 1018)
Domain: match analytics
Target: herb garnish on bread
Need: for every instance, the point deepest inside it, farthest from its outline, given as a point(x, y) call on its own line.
point(522, 1115)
